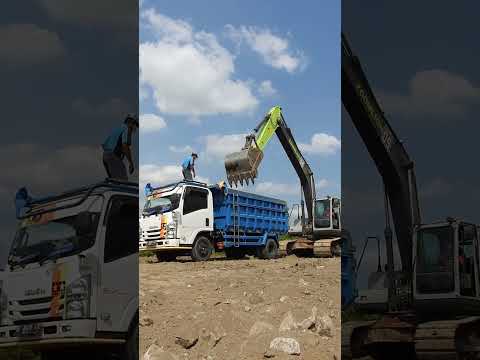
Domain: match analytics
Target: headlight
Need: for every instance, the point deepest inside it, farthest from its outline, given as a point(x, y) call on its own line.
point(78, 298)
point(171, 231)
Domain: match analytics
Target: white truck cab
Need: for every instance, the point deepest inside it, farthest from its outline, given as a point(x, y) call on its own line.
point(72, 272)
point(173, 218)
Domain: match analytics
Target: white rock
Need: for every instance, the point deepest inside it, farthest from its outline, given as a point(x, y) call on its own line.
point(154, 352)
point(288, 323)
point(260, 327)
point(325, 325)
point(286, 345)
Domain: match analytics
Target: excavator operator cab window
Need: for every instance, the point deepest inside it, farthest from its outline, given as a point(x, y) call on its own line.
point(336, 213)
point(434, 262)
point(466, 259)
point(323, 214)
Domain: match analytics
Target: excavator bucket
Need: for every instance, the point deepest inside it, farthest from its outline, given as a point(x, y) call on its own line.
point(242, 165)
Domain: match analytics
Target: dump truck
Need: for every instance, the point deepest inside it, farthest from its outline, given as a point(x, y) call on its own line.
point(318, 232)
point(71, 281)
point(195, 219)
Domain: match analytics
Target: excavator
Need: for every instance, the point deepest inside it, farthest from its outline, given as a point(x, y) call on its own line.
point(433, 308)
point(321, 228)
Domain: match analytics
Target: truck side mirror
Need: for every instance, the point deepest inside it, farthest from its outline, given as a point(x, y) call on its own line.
point(83, 223)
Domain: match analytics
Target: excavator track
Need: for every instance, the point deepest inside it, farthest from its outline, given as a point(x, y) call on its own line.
point(327, 247)
point(448, 339)
point(354, 335)
point(324, 248)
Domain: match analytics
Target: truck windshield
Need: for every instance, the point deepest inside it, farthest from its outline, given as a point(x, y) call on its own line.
point(160, 205)
point(434, 263)
point(322, 213)
point(50, 240)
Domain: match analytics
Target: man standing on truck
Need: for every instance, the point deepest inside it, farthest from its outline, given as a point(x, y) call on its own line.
point(117, 146)
point(188, 167)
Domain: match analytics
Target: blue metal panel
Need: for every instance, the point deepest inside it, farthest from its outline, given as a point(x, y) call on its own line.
point(259, 217)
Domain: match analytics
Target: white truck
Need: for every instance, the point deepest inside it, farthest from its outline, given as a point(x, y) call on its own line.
point(71, 282)
point(192, 218)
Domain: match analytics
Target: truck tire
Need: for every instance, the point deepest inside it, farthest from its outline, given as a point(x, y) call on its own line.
point(269, 251)
point(163, 256)
point(234, 253)
point(202, 249)
point(131, 347)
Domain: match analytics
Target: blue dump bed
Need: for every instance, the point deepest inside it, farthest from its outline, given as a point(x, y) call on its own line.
point(247, 219)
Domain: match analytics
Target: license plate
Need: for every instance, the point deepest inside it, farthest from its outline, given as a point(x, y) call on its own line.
point(151, 244)
point(31, 330)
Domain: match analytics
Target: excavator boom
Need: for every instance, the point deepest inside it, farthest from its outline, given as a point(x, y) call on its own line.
point(242, 166)
point(387, 151)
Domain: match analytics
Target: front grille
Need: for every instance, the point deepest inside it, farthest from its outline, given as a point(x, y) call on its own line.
point(27, 311)
point(43, 320)
point(35, 301)
point(152, 235)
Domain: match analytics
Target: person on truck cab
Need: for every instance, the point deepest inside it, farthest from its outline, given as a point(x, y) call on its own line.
point(117, 146)
point(148, 189)
point(22, 202)
point(188, 167)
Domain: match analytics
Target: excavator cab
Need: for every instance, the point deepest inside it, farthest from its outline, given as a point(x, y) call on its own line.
point(446, 267)
point(327, 216)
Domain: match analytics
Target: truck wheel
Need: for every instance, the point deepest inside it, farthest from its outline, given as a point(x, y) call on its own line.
point(131, 347)
point(269, 251)
point(202, 249)
point(232, 253)
point(161, 256)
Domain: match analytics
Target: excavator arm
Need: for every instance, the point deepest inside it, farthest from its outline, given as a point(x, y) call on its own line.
point(242, 166)
point(386, 150)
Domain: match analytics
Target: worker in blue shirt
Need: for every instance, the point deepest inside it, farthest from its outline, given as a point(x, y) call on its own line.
point(148, 189)
point(22, 202)
point(188, 167)
point(117, 146)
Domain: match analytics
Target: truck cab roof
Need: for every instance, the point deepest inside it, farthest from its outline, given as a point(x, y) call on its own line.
point(54, 202)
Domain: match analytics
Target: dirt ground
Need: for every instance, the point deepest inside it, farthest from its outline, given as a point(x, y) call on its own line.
point(234, 309)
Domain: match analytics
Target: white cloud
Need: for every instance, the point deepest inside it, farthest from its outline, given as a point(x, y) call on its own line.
point(217, 146)
point(93, 12)
point(274, 50)
point(112, 109)
point(189, 72)
point(163, 174)
point(187, 149)
point(26, 44)
point(277, 189)
point(143, 93)
point(322, 144)
point(323, 183)
point(266, 88)
point(55, 170)
point(282, 189)
point(150, 123)
point(150, 173)
point(435, 93)
point(435, 188)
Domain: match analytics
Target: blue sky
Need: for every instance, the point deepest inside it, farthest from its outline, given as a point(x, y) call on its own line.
point(207, 79)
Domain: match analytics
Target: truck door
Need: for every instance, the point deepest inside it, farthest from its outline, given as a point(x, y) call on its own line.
point(196, 213)
point(118, 295)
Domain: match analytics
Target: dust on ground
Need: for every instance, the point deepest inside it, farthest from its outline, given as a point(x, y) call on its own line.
point(234, 309)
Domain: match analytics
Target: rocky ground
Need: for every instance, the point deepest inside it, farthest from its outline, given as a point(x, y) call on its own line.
point(287, 308)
